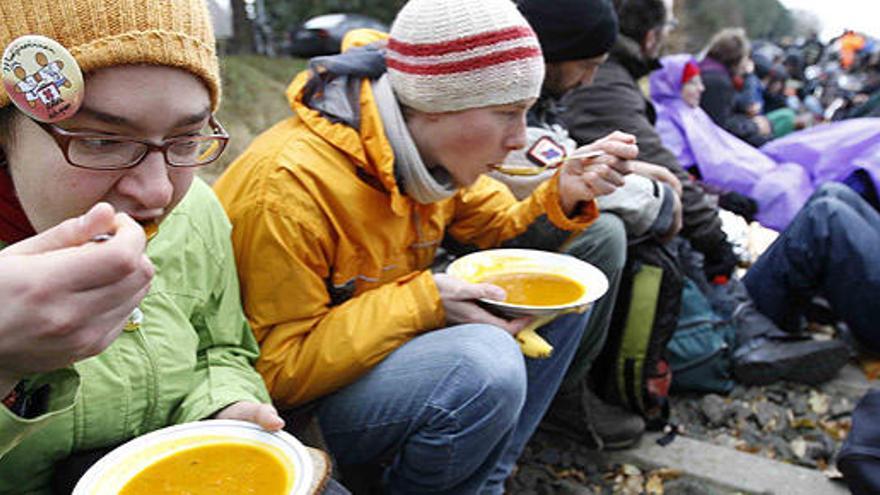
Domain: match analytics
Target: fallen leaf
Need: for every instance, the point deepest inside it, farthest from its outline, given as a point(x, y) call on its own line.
point(819, 402)
point(803, 423)
point(633, 485)
point(572, 473)
point(751, 449)
point(832, 473)
point(799, 447)
point(654, 486)
point(631, 470)
point(667, 474)
point(837, 429)
point(870, 367)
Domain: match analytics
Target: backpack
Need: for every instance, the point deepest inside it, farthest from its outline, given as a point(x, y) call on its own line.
point(631, 370)
point(700, 351)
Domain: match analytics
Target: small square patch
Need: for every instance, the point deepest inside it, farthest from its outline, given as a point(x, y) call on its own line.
point(546, 151)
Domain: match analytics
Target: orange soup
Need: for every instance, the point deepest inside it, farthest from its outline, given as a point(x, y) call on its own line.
point(537, 289)
point(213, 469)
point(151, 229)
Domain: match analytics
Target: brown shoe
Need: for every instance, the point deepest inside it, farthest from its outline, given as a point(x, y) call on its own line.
point(584, 417)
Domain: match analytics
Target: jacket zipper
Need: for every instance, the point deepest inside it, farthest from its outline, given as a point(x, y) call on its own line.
point(151, 381)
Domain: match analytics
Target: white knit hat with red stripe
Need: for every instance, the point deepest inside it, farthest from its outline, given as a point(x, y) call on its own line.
point(449, 55)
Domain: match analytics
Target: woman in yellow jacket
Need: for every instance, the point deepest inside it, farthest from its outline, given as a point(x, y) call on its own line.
point(338, 212)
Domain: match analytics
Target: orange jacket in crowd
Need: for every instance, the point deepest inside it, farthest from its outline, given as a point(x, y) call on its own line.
point(850, 44)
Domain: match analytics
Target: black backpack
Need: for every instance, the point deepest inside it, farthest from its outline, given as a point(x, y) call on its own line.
point(631, 370)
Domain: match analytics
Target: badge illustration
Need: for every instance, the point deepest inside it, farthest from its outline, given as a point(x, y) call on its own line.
point(42, 78)
point(546, 153)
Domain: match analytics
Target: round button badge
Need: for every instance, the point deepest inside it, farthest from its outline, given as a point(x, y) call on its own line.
point(42, 78)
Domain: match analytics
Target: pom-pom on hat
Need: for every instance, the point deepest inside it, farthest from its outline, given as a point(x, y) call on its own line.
point(450, 55)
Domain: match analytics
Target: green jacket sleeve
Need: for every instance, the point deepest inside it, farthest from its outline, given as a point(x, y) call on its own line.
point(227, 349)
point(64, 392)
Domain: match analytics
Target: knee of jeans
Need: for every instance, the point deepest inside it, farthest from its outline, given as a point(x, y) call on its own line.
point(832, 220)
point(834, 189)
point(602, 244)
point(491, 364)
point(828, 209)
point(616, 240)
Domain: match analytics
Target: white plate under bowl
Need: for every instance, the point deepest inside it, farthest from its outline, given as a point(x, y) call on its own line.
point(110, 474)
point(475, 267)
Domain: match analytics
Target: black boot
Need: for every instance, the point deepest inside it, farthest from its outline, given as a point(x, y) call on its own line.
point(766, 354)
point(584, 417)
point(762, 360)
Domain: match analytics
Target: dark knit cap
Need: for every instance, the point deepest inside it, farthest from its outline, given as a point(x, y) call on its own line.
point(572, 29)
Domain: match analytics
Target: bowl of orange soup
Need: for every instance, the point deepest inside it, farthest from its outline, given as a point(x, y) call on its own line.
point(536, 282)
point(203, 458)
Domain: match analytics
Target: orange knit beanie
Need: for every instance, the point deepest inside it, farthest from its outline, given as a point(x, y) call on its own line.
point(106, 33)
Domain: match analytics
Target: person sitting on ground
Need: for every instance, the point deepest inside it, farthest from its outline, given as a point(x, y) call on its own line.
point(724, 66)
point(74, 384)
point(828, 250)
point(615, 101)
point(781, 175)
point(337, 214)
point(642, 207)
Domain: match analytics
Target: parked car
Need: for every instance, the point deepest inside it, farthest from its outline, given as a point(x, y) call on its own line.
point(322, 35)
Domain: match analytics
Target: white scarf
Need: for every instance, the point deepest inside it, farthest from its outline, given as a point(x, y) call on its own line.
point(423, 185)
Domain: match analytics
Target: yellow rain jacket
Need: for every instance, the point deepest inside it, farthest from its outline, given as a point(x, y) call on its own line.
point(334, 258)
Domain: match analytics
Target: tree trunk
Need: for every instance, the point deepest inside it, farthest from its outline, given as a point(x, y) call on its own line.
point(243, 33)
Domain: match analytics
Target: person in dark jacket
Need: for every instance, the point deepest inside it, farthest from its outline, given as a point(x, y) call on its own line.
point(575, 37)
point(615, 102)
point(723, 69)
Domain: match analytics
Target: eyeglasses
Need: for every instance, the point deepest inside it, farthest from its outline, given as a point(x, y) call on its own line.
point(106, 152)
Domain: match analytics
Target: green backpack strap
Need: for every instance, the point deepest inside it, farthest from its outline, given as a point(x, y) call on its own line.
point(637, 334)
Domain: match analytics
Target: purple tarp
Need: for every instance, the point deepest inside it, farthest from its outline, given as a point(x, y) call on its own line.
point(782, 174)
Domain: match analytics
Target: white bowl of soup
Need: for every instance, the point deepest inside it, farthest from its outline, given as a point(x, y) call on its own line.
point(536, 282)
point(203, 458)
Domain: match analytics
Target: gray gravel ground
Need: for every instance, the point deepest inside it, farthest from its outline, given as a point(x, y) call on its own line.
point(787, 422)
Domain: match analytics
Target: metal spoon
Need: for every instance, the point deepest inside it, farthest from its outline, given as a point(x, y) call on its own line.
point(509, 169)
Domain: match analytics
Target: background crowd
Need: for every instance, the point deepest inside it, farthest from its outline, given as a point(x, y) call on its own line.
point(310, 278)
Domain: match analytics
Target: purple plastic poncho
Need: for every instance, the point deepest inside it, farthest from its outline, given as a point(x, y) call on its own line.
point(783, 173)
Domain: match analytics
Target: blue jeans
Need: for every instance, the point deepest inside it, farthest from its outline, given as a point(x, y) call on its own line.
point(832, 249)
point(603, 245)
point(452, 408)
